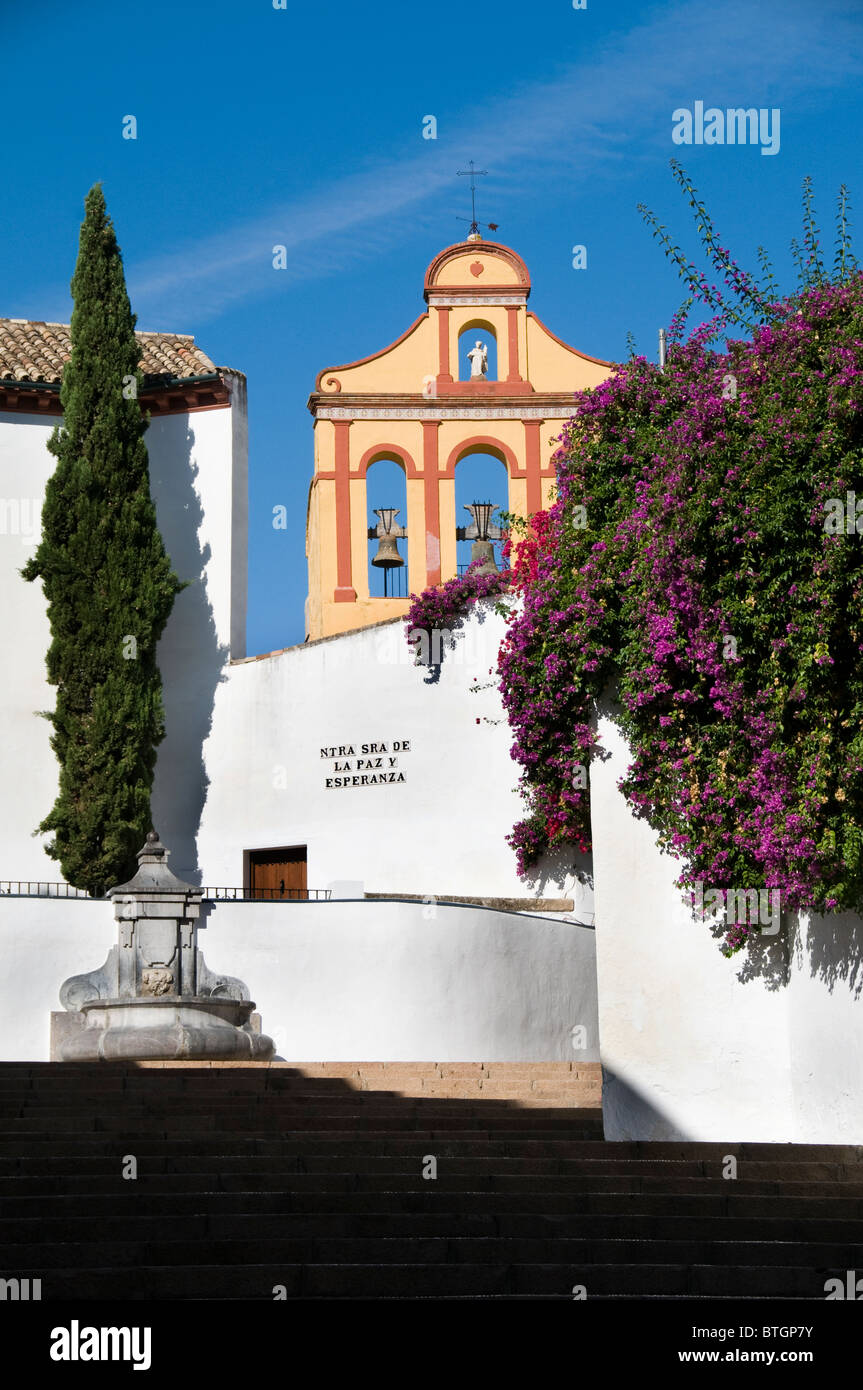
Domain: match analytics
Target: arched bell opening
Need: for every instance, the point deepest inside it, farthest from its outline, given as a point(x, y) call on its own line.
point(386, 508)
point(481, 494)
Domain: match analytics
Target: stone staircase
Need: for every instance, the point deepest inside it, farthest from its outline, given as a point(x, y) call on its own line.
point(310, 1179)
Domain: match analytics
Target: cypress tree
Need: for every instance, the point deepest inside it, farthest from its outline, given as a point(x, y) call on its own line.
point(106, 577)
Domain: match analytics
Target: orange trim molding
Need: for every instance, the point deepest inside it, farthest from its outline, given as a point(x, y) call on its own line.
point(512, 341)
point(476, 248)
point(480, 386)
point(432, 501)
point(472, 293)
point(532, 468)
point(344, 592)
point(486, 444)
point(396, 452)
point(444, 376)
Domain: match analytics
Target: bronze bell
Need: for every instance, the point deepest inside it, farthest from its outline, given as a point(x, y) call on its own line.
point(482, 531)
point(387, 556)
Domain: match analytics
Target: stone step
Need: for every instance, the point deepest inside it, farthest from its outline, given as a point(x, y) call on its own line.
point(310, 1176)
point(101, 1079)
point(393, 1172)
point(348, 1140)
point(530, 1114)
point(257, 1070)
point(59, 1096)
point(270, 1158)
point(286, 1101)
point(208, 1220)
point(34, 1147)
point(238, 1252)
point(410, 1145)
point(158, 1078)
point(582, 1129)
point(323, 1118)
point(241, 1111)
point(416, 1280)
point(210, 1158)
point(138, 1202)
point(552, 1192)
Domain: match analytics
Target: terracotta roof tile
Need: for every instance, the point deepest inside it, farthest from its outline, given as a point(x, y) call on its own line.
point(35, 351)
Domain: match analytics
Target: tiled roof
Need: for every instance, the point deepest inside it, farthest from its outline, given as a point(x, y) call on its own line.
point(32, 351)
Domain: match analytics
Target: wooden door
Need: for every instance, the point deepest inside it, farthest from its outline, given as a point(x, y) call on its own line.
point(278, 873)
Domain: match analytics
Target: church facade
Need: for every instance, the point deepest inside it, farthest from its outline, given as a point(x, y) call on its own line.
point(339, 760)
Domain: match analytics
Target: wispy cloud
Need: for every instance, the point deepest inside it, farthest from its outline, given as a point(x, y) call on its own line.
point(586, 118)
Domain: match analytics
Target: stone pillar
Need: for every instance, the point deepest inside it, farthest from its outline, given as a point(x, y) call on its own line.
point(155, 998)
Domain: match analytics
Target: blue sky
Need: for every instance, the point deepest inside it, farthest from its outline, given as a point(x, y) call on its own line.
point(303, 127)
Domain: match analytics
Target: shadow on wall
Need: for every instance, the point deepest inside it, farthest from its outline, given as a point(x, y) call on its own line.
point(558, 866)
point(191, 660)
point(765, 958)
point(628, 1113)
point(834, 947)
point(436, 647)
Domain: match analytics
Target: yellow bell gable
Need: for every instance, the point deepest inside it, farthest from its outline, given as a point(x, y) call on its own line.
point(416, 403)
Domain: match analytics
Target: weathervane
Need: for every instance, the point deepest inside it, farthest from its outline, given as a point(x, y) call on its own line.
point(474, 234)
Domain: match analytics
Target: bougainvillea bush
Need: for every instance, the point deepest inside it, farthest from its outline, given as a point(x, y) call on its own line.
point(693, 564)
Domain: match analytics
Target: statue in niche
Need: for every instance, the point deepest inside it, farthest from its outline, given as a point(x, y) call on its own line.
point(478, 359)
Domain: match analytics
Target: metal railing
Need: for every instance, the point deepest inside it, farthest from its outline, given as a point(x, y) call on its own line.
point(391, 583)
point(36, 888)
point(275, 895)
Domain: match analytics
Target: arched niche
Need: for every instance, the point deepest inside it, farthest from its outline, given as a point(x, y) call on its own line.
point(386, 487)
point(467, 336)
point(480, 476)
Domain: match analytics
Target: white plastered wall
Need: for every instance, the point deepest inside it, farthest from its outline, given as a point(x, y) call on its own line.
point(440, 831)
point(340, 980)
point(198, 472)
point(765, 1046)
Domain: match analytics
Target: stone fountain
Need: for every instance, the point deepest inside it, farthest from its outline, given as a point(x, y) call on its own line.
point(155, 998)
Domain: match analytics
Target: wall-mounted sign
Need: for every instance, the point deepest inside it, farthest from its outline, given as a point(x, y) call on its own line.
point(366, 764)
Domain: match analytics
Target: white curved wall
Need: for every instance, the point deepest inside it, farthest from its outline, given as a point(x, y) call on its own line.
point(395, 981)
point(42, 943)
point(341, 980)
point(767, 1047)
